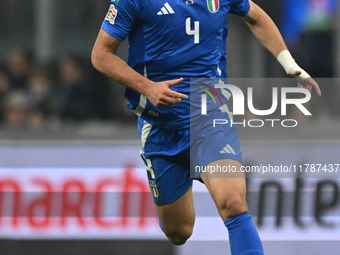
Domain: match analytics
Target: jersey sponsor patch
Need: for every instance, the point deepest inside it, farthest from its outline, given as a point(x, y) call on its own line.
point(213, 5)
point(111, 14)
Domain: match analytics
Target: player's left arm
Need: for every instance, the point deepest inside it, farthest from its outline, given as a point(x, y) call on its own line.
point(265, 30)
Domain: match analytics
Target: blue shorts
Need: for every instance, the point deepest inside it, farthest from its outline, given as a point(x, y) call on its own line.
point(170, 155)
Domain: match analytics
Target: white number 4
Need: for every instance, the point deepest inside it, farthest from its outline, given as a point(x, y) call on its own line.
point(195, 32)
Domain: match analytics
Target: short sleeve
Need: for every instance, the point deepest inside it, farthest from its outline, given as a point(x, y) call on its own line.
point(240, 7)
point(121, 17)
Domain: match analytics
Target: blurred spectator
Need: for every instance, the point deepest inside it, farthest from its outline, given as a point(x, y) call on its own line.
point(42, 102)
point(19, 63)
point(4, 83)
point(308, 25)
point(16, 105)
point(76, 100)
point(40, 93)
point(21, 113)
point(4, 87)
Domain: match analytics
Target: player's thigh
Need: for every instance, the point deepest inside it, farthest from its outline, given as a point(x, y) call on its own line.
point(228, 190)
point(171, 186)
point(210, 143)
point(166, 156)
point(179, 215)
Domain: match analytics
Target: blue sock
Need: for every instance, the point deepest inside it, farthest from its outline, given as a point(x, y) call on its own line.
point(243, 236)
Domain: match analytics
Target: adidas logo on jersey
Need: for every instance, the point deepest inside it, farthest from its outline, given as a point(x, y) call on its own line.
point(165, 10)
point(228, 149)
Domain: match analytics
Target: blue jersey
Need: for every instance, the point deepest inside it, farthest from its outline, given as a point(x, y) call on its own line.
point(172, 39)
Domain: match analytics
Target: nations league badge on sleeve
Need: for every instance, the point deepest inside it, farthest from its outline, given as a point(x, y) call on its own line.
point(111, 14)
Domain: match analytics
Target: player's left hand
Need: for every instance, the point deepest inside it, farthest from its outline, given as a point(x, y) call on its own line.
point(308, 83)
point(294, 71)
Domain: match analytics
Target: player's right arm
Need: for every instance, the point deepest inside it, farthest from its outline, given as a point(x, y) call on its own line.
point(105, 60)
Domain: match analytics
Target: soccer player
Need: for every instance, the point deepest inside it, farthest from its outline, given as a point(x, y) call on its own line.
point(171, 41)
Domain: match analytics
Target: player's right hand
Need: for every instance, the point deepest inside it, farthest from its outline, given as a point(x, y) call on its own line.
point(160, 94)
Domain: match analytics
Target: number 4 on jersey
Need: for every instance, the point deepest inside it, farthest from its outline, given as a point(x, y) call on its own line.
point(195, 32)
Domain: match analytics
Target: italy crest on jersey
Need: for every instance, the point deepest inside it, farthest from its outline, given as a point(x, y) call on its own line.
point(112, 14)
point(213, 5)
point(154, 189)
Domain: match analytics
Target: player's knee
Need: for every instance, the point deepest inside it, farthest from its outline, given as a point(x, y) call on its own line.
point(179, 235)
point(233, 206)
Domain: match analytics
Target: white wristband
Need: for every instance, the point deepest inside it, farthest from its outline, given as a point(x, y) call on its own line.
point(290, 66)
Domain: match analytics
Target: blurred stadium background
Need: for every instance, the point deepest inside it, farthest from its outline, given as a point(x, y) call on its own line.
point(65, 127)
